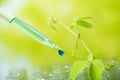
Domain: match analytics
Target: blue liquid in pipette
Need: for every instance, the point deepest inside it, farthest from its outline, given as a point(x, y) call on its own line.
point(61, 52)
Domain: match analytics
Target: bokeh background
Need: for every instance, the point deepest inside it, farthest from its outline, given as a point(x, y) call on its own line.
point(17, 49)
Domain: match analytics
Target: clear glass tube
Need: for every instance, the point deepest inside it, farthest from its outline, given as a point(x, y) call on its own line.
point(35, 34)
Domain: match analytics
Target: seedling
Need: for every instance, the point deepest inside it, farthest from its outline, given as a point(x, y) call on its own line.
point(95, 66)
point(76, 22)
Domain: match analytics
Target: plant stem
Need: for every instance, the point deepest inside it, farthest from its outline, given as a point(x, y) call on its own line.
point(66, 27)
point(90, 56)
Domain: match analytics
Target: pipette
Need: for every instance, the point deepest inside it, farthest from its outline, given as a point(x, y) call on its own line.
point(30, 31)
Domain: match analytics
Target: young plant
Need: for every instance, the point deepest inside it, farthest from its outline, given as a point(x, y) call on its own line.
point(95, 66)
point(91, 68)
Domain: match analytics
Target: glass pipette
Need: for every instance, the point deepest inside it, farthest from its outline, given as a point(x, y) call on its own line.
point(30, 31)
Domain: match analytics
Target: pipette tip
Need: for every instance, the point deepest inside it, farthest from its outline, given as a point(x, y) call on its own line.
point(61, 52)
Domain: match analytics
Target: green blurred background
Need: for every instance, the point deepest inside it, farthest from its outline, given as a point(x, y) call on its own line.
point(17, 48)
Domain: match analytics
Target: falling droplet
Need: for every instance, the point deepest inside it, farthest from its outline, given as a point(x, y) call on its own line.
point(61, 52)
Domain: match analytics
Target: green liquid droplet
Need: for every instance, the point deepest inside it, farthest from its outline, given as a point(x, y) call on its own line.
point(61, 52)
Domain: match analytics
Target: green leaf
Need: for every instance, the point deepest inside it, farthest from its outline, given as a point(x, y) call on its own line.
point(79, 21)
point(80, 18)
point(95, 70)
point(83, 24)
point(52, 25)
point(77, 68)
point(52, 21)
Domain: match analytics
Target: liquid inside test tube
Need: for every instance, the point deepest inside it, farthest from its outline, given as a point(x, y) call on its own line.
point(36, 35)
